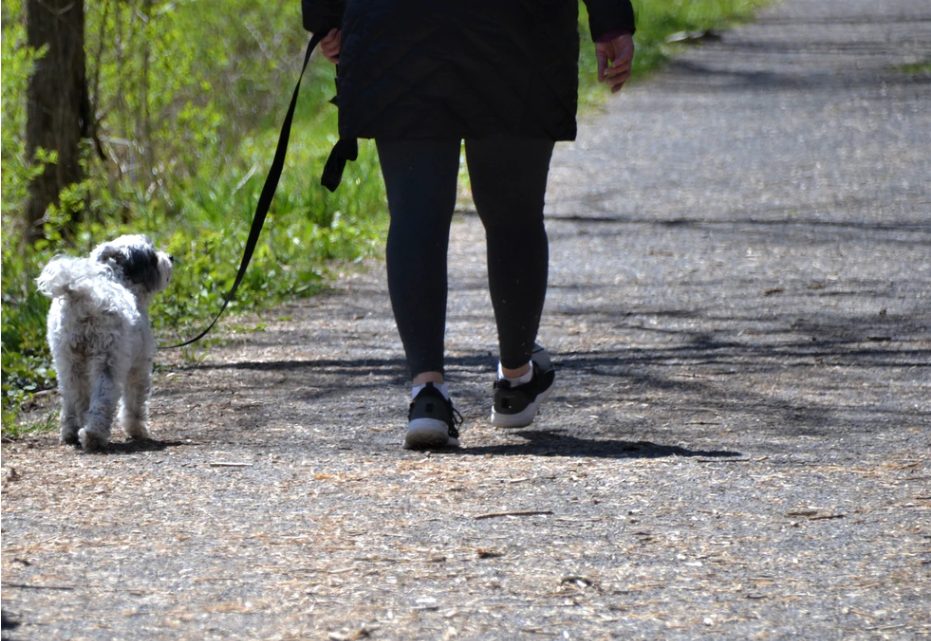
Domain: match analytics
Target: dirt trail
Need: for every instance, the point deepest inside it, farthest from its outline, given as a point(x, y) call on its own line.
point(739, 447)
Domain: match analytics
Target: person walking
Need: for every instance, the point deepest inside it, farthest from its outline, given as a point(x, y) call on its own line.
point(421, 76)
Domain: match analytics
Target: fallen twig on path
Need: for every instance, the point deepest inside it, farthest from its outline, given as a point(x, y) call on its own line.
point(70, 588)
point(26, 586)
point(494, 515)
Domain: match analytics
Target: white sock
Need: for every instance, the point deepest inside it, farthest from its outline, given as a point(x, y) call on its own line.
point(416, 389)
point(526, 377)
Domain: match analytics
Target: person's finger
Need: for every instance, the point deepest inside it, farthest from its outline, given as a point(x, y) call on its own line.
point(330, 46)
point(602, 56)
point(330, 53)
point(618, 68)
point(618, 81)
point(621, 55)
point(331, 37)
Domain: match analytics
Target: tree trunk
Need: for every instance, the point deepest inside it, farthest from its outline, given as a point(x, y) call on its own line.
point(58, 107)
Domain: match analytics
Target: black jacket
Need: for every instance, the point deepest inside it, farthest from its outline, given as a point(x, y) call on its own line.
point(465, 68)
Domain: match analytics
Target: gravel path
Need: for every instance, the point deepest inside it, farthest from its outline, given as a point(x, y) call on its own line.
point(739, 448)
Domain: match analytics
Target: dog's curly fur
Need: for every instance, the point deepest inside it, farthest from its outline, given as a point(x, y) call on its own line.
point(99, 334)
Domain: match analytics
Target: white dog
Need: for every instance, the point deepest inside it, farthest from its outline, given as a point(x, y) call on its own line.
point(98, 330)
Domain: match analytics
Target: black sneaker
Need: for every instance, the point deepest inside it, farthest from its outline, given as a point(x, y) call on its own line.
point(516, 406)
point(433, 421)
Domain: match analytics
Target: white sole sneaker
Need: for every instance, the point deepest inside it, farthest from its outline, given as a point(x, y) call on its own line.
point(428, 433)
point(523, 418)
point(517, 406)
point(432, 421)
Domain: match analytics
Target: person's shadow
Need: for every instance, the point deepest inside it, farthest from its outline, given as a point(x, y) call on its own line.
point(560, 443)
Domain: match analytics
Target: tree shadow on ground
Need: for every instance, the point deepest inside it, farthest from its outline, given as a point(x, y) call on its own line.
point(706, 369)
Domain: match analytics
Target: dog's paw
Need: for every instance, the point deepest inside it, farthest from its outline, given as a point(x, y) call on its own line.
point(136, 430)
point(92, 442)
point(68, 435)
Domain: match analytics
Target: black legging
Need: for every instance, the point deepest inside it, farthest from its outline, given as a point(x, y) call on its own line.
point(508, 179)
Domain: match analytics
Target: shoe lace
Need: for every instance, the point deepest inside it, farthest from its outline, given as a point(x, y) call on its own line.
point(456, 418)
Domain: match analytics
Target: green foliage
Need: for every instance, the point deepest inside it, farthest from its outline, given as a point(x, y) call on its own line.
point(18, 61)
point(189, 104)
point(657, 20)
point(25, 362)
point(189, 99)
point(24, 354)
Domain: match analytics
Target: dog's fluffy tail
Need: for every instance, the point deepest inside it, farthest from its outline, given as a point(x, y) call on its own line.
point(65, 276)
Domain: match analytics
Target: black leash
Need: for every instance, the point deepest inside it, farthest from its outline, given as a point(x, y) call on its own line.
point(268, 191)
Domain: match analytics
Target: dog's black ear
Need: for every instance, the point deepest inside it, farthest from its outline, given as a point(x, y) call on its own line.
point(141, 267)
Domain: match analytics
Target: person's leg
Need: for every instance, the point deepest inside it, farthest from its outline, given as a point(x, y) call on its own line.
point(509, 186)
point(420, 179)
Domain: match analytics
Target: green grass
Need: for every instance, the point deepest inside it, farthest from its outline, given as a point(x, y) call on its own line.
point(918, 68)
point(659, 19)
point(215, 108)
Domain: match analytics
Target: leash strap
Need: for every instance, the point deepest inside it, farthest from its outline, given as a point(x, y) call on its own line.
point(265, 198)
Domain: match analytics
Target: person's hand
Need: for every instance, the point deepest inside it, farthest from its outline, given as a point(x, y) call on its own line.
point(329, 46)
point(615, 58)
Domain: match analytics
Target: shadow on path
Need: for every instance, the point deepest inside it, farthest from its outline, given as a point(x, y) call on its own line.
point(138, 446)
point(562, 443)
point(804, 375)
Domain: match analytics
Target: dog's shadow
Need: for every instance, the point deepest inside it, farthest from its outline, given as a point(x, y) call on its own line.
point(137, 446)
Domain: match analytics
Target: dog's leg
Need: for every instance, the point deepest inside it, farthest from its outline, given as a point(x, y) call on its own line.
point(72, 409)
point(75, 392)
point(105, 393)
point(70, 420)
point(133, 410)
